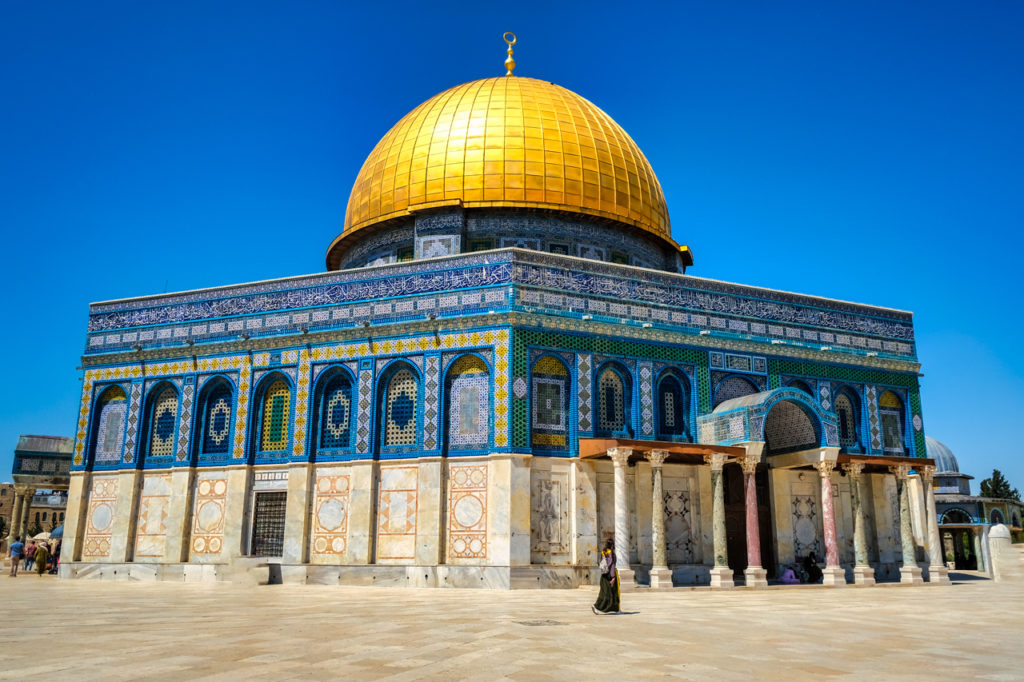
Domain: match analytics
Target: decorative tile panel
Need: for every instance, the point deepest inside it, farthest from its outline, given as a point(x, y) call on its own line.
point(467, 512)
point(301, 405)
point(584, 380)
point(100, 521)
point(646, 399)
point(431, 397)
point(132, 432)
point(151, 526)
point(209, 515)
point(330, 515)
point(396, 512)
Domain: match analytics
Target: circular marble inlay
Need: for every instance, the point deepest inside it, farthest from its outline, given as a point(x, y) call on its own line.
point(220, 487)
point(477, 478)
point(199, 544)
point(458, 546)
point(475, 545)
point(460, 476)
point(215, 545)
point(331, 514)
point(209, 516)
point(102, 515)
point(204, 487)
point(320, 545)
point(324, 484)
point(338, 545)
point(468, 511)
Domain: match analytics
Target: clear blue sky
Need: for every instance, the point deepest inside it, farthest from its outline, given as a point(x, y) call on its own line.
point(867, 151)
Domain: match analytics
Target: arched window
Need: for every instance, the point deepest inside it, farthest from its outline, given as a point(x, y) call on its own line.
point(469, 404)
point(789, 427)
point(108, 432)
point(276, 414)
point(162, 424)
point(613, 409)
point(215, 441)
point(550, 404)
point(734, 387)
point(955, 516)
point(673, 406)
point(996, 516)
point(335, 413)
point(890, 409)
point(847, 414)
point(801, 385)
point(400, 422)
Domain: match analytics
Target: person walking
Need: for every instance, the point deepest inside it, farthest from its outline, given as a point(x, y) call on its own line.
point(608, 596)
point(42, 554)
point(55, 563)
point(17, 552)
point(30, 553)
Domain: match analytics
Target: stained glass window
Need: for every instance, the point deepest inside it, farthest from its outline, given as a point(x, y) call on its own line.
point(611, 402)
point(336, 413)
point(162, 421)
point(890, 409)
point(400, 411)
point(276, 403)
point(109, 437)
point(217, 421)
point(549, 402)
point(847, 421)
point(468, 404)
point(672, 407)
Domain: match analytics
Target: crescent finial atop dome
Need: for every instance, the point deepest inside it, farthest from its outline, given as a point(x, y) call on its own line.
point(510, 40)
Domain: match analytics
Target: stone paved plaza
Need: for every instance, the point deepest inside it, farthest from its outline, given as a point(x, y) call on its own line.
point(109, 630)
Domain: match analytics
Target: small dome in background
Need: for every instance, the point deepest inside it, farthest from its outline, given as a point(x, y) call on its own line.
point(945, 460)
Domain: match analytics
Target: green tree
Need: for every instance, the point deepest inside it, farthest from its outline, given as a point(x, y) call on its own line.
point(34, 529)
point(998, 487)
point(53, 524)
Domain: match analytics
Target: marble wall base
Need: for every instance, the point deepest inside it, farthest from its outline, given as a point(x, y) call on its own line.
point(833, 576)
point(911, 575)
point(660, 578)
point(863, 575)
point(756, 577)
point(255, 571)
point(721, 578)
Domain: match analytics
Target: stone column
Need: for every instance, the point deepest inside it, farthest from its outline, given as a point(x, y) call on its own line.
point(755, 575)
point(26, 507)
point(863, 574)
point(833, 574)
point(620, 457)
point(937, 571)
point(661, 576)
point(910, 572)
point(721, 574)
point(19, 498)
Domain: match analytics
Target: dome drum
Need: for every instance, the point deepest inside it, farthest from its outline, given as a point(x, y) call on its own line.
point(449, 231)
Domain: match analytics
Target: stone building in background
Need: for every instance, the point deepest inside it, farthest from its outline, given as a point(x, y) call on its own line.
point(504, 365)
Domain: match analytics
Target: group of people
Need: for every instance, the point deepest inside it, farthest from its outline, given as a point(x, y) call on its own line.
point(807, 571)
point(44, 555)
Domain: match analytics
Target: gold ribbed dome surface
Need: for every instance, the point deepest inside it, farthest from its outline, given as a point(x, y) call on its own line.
point(508, 142)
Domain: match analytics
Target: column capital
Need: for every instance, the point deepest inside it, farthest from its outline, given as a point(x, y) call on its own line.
point(22, 490)
point(825, 467)
point(620, 456)
point(656, 457)
point(900, 471)
point(854, 469)
point(717, 460)
point(749, 462)
point(927, 473)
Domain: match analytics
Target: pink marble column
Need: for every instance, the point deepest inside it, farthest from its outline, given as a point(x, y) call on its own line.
point(833, 574)
point(755, 575)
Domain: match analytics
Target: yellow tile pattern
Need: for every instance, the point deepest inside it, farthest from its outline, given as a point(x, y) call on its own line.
point(508, 142)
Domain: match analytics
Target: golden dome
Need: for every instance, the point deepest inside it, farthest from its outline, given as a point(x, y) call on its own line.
point(508, 142)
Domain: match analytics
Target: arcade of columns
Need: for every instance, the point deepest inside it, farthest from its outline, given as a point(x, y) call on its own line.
point(755, 573)
point(19, 513)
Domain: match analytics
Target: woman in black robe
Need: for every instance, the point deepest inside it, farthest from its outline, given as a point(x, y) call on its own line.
point(608, 597)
